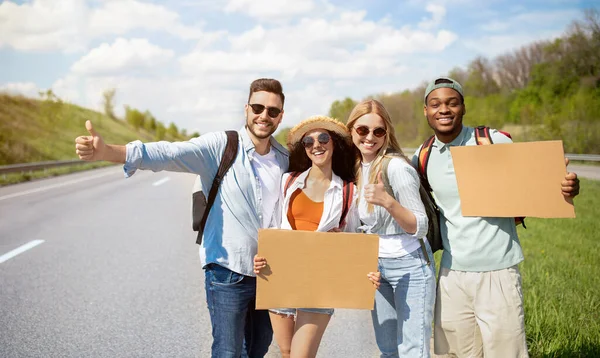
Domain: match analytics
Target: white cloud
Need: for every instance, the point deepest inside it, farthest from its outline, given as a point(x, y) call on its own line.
point(320, 52)
point(270, 10)
point(318, 58)
point(345, 47)
point(227, 62)
point(69, 89)
point(28, 89)
point(407, 42)
point(120, 17)
point(437, 15)
point(70, 25)
point(43, 25)
point(123, 55)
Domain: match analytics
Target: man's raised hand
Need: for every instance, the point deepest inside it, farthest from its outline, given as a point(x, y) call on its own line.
point(90, 147)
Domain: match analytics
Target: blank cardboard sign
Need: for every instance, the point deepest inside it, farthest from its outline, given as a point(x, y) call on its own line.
point(515, 179)
point(307, 269)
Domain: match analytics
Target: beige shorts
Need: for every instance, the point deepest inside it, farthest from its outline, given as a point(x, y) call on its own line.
point(480, 314)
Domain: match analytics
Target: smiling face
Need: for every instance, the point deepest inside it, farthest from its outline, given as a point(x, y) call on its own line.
point(320, 152)
point(369, 144)
point(444, 111)
point(261, 125)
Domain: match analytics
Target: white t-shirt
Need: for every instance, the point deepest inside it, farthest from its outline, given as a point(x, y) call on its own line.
point(390, 246)
point(269, 177)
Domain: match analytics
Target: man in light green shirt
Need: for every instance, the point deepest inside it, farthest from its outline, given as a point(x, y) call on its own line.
point(479, 303)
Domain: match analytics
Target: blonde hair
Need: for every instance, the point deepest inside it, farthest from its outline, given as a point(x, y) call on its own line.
point(390, 144)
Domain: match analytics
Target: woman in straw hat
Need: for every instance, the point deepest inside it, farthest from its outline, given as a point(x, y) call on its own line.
point(321, 167)
point(404, 301)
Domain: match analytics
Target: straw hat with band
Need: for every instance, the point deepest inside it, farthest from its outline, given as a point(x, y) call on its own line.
point(317, 122)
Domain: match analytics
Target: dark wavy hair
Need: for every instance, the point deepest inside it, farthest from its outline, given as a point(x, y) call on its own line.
point(342, 162)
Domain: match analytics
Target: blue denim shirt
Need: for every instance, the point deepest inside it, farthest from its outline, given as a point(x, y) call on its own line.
point(231, 234)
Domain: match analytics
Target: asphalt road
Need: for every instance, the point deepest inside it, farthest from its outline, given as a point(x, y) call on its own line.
point(115, 272)
point(112, 270)
point(586, 171)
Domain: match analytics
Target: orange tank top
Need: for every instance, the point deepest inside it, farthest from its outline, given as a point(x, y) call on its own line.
point(303, 213)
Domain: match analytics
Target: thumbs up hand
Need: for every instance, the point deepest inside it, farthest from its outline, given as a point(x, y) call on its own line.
point(90, 147)
point(376, 194)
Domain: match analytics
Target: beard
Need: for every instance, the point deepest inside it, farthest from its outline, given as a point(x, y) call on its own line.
point(261, 134)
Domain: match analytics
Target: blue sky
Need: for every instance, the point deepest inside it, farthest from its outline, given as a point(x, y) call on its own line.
point(191, 61)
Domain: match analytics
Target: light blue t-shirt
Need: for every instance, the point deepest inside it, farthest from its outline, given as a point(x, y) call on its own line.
point(470, 243)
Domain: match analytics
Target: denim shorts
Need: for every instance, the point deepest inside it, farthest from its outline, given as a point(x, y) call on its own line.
point(292, 311)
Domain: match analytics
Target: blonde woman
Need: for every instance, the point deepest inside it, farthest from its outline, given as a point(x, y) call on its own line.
point(321, 165)
point(404, 300)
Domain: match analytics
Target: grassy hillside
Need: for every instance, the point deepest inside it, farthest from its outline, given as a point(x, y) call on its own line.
point(33, 130)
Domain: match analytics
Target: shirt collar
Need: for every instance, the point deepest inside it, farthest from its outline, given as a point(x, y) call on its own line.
point(459, 140)
point(249, 145)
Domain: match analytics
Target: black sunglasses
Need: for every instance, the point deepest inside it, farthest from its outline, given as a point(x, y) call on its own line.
point(259, 108)
point(364, 130)
point(323, 138)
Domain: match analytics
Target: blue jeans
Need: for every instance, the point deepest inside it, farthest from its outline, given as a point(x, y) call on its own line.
point(404, 304)
point(238, 329)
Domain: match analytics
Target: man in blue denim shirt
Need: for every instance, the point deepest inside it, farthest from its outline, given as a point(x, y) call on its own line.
point(247, 200)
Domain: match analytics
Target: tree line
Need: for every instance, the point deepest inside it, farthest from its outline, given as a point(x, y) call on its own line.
point(144, 120)
point(545, 90)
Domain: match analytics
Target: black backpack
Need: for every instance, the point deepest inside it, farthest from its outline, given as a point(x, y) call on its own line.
point(200, 205)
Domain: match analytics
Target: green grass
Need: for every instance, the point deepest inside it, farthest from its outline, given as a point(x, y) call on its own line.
point(561, 280)
point(32, 130)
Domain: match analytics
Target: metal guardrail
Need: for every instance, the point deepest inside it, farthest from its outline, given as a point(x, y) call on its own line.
point(28, 167)
point(584, 157)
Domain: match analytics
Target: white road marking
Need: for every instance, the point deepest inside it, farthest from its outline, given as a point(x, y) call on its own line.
point(26, 192)
point(162, 181)
point(19, 250)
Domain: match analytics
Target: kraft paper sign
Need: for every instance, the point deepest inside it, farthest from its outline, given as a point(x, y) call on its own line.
point(512, 179)
point(307, 269)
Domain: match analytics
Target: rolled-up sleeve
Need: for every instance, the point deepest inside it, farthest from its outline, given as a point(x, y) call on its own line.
point(189, 157)
point(405, 183)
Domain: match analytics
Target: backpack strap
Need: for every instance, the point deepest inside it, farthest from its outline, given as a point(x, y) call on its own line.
point(483, 137)
point(289, 181)
point(347, 196)
point(229, 155)
point(424, 154)
point(385, 162)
